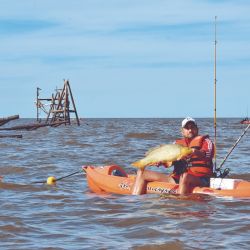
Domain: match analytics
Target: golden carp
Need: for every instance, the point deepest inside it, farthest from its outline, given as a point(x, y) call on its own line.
point(165, 154)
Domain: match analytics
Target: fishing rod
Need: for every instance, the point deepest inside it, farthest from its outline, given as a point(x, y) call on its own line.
point(215, 81)
point(233, 147)
point(226, 171)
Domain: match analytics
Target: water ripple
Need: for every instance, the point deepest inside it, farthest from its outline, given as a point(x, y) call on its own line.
point(69, 216)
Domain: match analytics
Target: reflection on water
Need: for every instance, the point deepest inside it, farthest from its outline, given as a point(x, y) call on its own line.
point(69, 216)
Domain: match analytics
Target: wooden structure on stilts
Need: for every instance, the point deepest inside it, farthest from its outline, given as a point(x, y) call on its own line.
point(62, 104)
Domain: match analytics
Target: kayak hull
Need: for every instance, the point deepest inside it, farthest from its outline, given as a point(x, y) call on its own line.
point(104, 179)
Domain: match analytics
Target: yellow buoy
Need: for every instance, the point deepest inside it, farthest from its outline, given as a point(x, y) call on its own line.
point(51, 180)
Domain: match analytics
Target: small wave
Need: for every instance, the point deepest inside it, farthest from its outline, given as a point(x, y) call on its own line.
point(173, 244)
point(76, 143)
point(4, 145)
point(13, 229)
point(141, 135)
point(116, 145)
point(5, 170)
point(245, 176)
point(21, 187)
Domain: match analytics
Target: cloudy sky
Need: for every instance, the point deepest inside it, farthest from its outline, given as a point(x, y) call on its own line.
point(126, 58)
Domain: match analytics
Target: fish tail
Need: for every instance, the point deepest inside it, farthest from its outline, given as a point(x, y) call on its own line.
point(138, 164)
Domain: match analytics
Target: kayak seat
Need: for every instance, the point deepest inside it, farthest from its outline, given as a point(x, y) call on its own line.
point(117, 171)
point(114, 170)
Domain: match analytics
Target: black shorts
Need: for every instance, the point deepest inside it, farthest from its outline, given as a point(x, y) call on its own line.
point(205, 181)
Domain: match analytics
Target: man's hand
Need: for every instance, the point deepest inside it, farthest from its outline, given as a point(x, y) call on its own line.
point(166, 165)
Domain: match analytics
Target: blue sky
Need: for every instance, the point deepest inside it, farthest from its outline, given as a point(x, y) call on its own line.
point(126, 58)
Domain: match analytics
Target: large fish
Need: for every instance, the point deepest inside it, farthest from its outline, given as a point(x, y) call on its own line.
point(166, 154)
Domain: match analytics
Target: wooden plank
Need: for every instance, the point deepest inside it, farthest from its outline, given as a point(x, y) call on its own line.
point(44, 99)
point(13, 117)
point(57, 111)
point(8, 119)
point(32, 126)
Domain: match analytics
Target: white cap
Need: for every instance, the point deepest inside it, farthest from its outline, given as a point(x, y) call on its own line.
point(186, 120)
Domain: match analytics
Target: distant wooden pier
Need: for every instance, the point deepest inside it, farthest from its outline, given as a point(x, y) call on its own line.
point(61, 105)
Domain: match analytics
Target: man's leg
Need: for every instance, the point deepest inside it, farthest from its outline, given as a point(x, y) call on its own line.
point(188, 182)
point(145, 176)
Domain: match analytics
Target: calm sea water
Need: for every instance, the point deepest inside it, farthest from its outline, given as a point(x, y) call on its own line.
point(69, 216)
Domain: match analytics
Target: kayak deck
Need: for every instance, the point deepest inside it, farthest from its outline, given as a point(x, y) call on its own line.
point(114, 179)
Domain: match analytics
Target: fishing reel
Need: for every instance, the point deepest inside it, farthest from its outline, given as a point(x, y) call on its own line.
point(222, 174)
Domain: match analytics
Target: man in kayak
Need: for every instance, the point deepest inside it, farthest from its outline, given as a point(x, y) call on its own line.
point(189, 172)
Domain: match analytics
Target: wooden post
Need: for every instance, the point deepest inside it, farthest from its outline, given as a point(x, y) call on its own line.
point(37, 103)
point(73, 102)
point(40, 105)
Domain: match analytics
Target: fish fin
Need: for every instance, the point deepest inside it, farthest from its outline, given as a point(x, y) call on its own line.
point(138, 164)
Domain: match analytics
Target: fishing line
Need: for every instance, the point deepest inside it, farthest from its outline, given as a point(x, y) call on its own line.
point(226, 171)
point(66, 176)
point(53, 179)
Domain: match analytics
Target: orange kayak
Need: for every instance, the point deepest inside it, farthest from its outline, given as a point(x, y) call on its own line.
point(114, 179)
